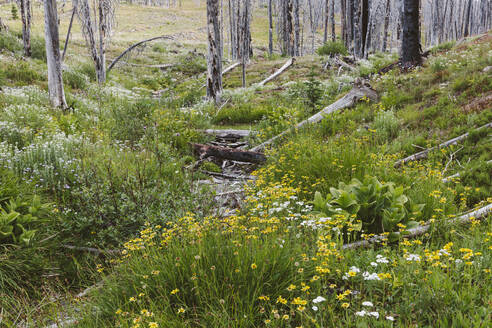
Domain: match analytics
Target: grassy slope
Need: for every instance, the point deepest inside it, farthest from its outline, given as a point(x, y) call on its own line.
point(416, 110)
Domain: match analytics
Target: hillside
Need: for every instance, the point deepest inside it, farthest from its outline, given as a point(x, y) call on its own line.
point(330, 231)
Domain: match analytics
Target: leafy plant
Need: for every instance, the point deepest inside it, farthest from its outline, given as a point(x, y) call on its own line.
point(331, 48)
point(14, 12)
point(380, 207)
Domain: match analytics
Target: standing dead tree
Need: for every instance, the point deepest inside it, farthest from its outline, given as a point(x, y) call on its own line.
point(52, 41)
point(410, 48)
point(25, 10)
point(214, 59)
point(96, 28)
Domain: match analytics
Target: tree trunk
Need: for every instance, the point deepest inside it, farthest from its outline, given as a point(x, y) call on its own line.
point(55, 80)
point(325, 34)
point(332, 16)
point(466, 31)
point(214, 60)
point(270, 28)
point(410, 47)
point(386, 25)
point(101, 72)
point(25, 9)
point(297, 29)
point(74, 12)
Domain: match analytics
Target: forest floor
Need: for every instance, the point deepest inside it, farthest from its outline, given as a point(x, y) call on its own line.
point(108, 195)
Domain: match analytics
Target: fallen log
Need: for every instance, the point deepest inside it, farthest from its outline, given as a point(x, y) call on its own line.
point(133, 46)
point(425, 153)
point(229, 133)
point(282, 69)
point(349, 100)
point(92, 250)
point(412, 233)
point(230, 68)
point(339, 62)
point(457, 175)
point(228, 176)
point(204, 151)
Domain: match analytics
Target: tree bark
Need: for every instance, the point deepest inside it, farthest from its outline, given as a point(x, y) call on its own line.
point(204, 151)
point(282, 69)
point(332, 16)
point(74, 12)
point(52, 41)
point(386, 25)
point(214, 60)
point(25, 9)
point(327, 10)
point(410, 48)
point(270, 28)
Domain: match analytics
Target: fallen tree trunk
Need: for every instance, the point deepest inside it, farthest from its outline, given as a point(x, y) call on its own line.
point(133, 46)
point(349, 100)
point(282, 69)
point(160, 66)
point(230, 68)
point(92, 250)
point(229, 176)
point(204, 151)
point(339, 62)
point(425, 153)
point(412, 233)
point(457, 175)
point(229, 134)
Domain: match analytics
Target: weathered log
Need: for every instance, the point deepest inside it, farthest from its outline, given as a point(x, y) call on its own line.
point(282, 69)
point(340, 63)
point(133, 46)
point(92, 250)
point(349, 100)
point(425, 153)
point(412, 233)
point(229, 176)
point(230, 68)
point(457, 175)
point(204, 151)
point(229, 134)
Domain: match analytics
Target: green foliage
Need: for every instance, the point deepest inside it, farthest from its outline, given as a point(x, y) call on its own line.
point(14, 12)
point(75, 79)
point(211, 167)
point(241, 113)
point(386, 125)
point(372, 206)
point(443, 47)
point(191, 64)
point(88, 69)
point(130, 120)
point(38, 48)
point(10, 42)
point(332, 48)
point(21, 72)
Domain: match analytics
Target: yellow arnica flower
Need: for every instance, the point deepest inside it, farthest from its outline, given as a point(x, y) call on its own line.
point(153, 325)
point(285, 317)
point(174, 291)
point(281, 300)
point(345, 305)
point(253, 266)
point(181, 310)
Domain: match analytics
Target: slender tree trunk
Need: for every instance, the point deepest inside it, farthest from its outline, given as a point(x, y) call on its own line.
point(410, 48)
point(25, 9)
point(270, 28)
point(74, 12)
point(386, 25)
point(101, 72)
point(325, 34)
point(466, 31)
point(297, 29)
point(55, 80)
point(214, 60)
point(332, 17)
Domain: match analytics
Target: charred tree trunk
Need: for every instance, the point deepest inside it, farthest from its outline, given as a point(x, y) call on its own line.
point(386, 25)
point(214, 60)
point(52, 41)
point(466, 30)
point(410, 47)
point(25, 9)
point(297, 29)
point(332, 17)
point(327, 10)
point(101, 72)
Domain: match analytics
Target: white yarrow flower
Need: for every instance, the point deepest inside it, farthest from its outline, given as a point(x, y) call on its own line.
point(319, 299)
point(360, 313)
point(390, 318)
point(367, 303)
point(374, 314)
point(315, 308)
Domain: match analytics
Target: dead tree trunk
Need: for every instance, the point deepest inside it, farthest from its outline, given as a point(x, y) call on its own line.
point(55, 80)
point(214, 60)
point(466, 30)
point(386, 25)
point(410, 47)
point(25, 9)
point(270, 28)
point(74, 12)
point(325, 34)
point(332, 17)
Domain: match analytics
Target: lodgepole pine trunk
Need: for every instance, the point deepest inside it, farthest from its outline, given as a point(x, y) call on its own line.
point(325, 34)
point(410, 47)
point(25, 9)
point(332, 17)
point(386, 25)
point(55, 80)
point(270, 28)
point(214, 60)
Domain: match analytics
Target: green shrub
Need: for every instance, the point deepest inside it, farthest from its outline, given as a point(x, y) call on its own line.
point(14, 12)
point(370, 205)
point(241, 113)
point(75, 79)
point(129, 121)
point(10, 42)
point(386, 125)
point(89, 70)
point(22, 72)
point(332, 48)
point(438, 65)
point(38, 48)
point(443, 47)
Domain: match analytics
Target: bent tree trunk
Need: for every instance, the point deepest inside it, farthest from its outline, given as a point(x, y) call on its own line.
point(214, 60)
point(410, 47)
point(52, 41)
